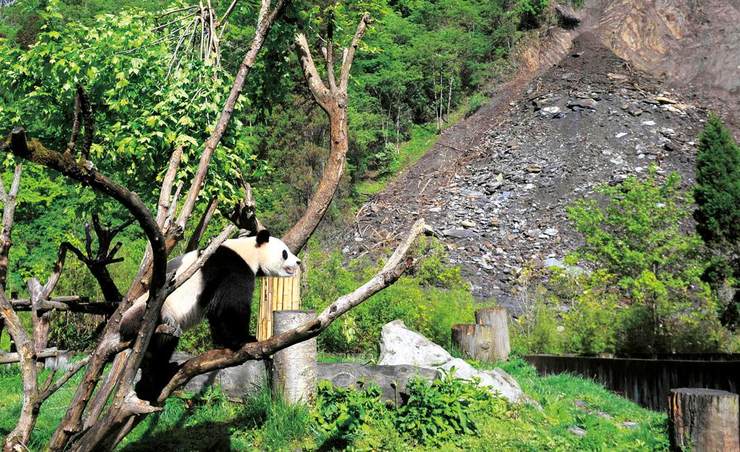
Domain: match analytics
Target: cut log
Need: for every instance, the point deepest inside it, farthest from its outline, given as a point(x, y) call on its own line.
point(498, 319)
point(704, 420)
point(294, 368)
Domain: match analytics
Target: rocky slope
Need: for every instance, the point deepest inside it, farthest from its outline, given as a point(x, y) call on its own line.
point(495, 186)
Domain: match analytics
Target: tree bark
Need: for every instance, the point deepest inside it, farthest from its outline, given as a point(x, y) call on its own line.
point(294, 368)
point(703, 420)
point(498, 319)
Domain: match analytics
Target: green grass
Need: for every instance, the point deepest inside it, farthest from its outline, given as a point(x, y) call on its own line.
point(210, 422)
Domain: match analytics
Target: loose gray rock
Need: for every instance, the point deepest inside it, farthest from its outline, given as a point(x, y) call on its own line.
point(578, 431)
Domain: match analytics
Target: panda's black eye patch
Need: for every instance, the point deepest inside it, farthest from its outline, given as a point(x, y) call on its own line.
point(285, 254)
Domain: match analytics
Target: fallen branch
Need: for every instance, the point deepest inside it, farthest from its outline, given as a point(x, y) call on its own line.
point(14, 357)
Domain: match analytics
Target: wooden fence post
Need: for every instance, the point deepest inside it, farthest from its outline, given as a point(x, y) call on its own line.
point(277, 294)
point(704, 420)
point(294, 369)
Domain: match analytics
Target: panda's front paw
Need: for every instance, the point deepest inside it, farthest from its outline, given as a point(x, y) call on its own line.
point(170, 327)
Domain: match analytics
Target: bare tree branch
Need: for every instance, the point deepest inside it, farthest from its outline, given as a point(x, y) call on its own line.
point(9, 202)
point(229, 10)
point(163, 206)
point(334, 102)
point(20, 435)
point(71, 304)
point(69, 373)
point(349, 55)
point(202, 225)
point(320, 92)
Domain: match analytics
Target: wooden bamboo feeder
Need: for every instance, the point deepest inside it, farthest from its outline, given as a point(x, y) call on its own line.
point(277, 294)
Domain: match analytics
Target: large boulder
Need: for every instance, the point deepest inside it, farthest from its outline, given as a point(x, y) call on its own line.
point(402, 346)
point(392, 380)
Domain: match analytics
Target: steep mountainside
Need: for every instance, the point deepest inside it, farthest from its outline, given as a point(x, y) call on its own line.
point(496, 186)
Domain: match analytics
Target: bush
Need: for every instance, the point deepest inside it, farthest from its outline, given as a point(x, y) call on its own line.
point(645, 294)
point(439, 412)
point(429, 299)
point(475, 102)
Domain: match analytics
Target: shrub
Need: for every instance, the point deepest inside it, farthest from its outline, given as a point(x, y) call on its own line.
point(475, 102)
point(645, 294)
point(429, 299)
point(531, 12)
point(439, 412)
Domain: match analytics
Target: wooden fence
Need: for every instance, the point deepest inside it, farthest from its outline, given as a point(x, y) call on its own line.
point(647, 382)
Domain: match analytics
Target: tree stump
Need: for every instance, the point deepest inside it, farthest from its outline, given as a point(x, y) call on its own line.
point(475, 341)
point(498, 319)
point(704, 420)
point(294, 369)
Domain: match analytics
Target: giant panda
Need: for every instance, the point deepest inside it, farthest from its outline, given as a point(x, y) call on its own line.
point(220, 291)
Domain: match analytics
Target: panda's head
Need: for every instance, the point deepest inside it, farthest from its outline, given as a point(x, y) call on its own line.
point(265, 255)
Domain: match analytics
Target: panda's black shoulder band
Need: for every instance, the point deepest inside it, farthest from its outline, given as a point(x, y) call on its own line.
point(263, 236)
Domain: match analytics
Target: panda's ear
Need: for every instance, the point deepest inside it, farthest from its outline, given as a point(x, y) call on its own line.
point(263, 236)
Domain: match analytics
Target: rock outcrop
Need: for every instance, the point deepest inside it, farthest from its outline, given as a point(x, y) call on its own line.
point(402, 346)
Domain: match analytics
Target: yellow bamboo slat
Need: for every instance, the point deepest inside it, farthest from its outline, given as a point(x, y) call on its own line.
point(276, 294)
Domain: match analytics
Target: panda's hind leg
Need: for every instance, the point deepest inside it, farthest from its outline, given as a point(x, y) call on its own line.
point(156, 368)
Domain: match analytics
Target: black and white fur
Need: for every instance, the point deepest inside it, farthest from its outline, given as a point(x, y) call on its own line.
point(220, 291)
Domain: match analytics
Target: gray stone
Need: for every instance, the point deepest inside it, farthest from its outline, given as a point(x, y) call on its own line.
point(582, 103)
point(578, 431)
point(238, 382)
point(459, 233)
point(401, 346)
point(392, 380)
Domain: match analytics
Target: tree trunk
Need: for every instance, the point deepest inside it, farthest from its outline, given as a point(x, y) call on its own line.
point(294, 368)
point(703, 420)
point(497, 318)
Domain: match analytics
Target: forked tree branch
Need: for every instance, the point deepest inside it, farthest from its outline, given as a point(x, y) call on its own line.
point(333, 101)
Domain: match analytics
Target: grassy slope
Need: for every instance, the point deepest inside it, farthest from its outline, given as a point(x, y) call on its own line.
point(211, 422)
